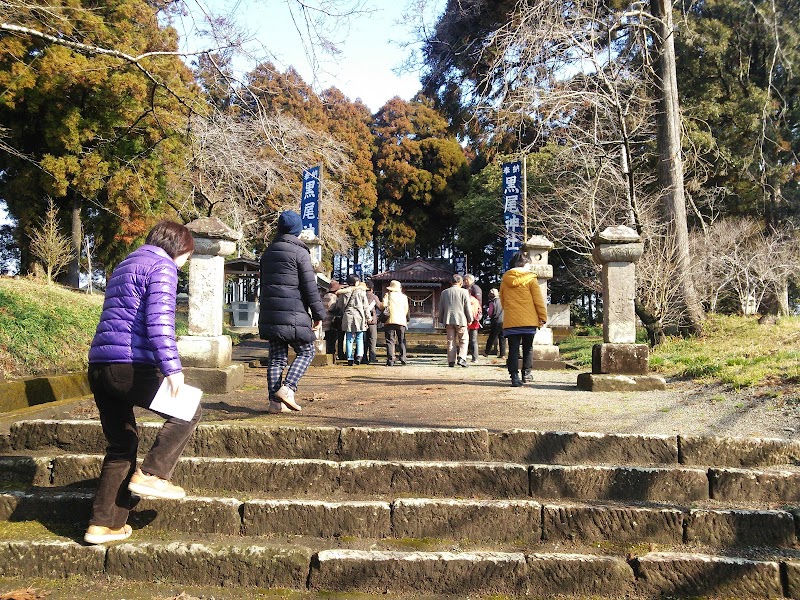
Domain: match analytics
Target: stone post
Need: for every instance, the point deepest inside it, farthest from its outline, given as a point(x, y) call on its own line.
point(545, 354)
point(315, 249)
point(619, 363)
point(206, 353)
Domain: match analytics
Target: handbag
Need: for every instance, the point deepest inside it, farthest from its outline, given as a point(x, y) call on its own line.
point(384, 316)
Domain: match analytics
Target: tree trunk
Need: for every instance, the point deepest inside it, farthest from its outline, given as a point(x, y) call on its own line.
point(670, 163)
point(655, 330)
point(74, 269)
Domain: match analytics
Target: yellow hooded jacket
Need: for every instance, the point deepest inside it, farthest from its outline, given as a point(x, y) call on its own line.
point(521, 298)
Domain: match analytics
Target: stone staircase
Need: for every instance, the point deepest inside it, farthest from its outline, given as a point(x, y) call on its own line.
point(422, 511)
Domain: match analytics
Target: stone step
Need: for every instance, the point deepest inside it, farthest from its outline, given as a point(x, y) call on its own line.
point(365, 479)
point(496, 521)
point(248, 565)
point(365, 443)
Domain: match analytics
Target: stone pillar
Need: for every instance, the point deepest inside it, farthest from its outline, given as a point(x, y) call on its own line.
point(314, 244)
point(545, 353)
point(206, 353)
point(619, 363)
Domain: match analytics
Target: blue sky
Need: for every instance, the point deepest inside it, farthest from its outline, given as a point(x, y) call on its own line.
point(368, 44)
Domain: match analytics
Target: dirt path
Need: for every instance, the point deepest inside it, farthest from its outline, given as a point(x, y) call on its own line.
point(426, 393)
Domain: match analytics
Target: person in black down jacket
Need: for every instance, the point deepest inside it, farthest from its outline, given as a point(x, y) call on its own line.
point(288, 293)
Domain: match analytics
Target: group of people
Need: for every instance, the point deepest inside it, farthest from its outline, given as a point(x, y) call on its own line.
point(135, 349)
point(351, 324)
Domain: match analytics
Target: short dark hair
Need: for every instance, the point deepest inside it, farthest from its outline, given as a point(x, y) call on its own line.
point(520, 259)
point(352, 279)
point(370, 284)
point(175, 239)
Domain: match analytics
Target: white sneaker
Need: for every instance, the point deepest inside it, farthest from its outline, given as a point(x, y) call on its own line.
point(286, 395)
point(151, 486)
point(277, 407)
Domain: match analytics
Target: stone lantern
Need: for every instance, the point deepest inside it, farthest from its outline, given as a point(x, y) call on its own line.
point(619, 363)
point(546, 354)
point(206, 353)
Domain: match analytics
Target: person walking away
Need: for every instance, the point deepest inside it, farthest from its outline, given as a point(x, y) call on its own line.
point(455, 314)
point(524, 311)
point(395, 303)
point(331, 324)
point(133, 350)
point(352, 302)
point(474, 326)
point(473, 288)
point(496, 341)
point(371, 336)
point(288, 294)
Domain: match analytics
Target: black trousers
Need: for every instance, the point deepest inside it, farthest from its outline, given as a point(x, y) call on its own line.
point(117, 388)
point(496, 338)
point(513, 352)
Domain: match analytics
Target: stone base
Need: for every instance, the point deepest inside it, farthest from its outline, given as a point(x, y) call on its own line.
point(630, 359)
point(549, 365)
point(205, 351)
point(323, 360)
point(545, 352)
point(594, 382)
point(216, 381)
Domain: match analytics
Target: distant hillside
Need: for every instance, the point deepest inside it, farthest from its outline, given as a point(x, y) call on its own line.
point(44, 328)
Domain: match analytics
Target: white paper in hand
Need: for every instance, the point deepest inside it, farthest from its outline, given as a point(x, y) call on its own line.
point(183, 406)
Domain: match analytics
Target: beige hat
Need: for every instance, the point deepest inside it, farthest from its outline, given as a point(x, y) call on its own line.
point(394, 286)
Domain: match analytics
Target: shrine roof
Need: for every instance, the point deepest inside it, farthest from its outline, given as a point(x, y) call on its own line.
point(416, 271)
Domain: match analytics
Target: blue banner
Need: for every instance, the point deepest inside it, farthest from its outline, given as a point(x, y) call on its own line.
point(358, 270)
point(461, 264)
point(512, 210)
point(309, 204)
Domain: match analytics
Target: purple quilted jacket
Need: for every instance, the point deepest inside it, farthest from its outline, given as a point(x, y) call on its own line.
point(138, 320)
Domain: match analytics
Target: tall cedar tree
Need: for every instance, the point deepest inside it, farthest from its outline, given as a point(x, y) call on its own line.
point(421, 171)
point(92, 132)
point(740, 92)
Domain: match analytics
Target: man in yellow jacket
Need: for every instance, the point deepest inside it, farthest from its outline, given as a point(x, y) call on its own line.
point(524, 311)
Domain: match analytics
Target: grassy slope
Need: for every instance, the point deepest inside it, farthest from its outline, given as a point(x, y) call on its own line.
point(735, 351)
point(44, 328)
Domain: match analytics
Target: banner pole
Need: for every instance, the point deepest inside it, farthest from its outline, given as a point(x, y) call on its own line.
point(525, 197)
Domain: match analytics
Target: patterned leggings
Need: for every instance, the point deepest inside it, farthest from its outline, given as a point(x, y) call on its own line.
point(278, 359)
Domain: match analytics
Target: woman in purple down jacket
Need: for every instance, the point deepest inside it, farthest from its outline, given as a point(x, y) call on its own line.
point(133, 350)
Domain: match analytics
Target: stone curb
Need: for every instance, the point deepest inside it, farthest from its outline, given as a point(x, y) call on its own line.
point(674, 484)
point(684, 575)
point(228, 566)
point(425, 572)
point(400, 443)
point(504, 521)
point(591, 524)
point(523, 446)
point(485, 520)
point(52, 558)
point(33, 391)
point(736, 485)
point(317, 518)
point(299, 568)
point(579, 574)
point(738, 452)
point(437, 479)
point(741, 527)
